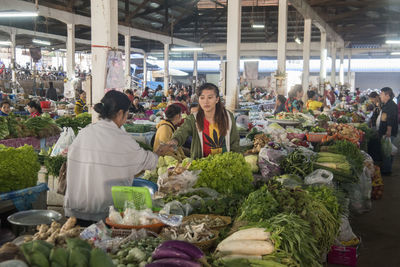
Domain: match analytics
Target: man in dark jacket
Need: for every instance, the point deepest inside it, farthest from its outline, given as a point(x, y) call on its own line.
point(51, 92)
point(388, 124)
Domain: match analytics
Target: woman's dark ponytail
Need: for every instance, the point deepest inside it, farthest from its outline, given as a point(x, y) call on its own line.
point(112, 102)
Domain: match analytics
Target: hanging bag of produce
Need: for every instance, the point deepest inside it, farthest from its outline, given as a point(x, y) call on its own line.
point(64, 141)
point(386, 147)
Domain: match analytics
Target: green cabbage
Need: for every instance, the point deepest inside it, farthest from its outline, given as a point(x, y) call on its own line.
point(253, 161)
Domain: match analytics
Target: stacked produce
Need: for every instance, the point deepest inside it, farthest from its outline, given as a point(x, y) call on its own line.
point(297, 163)
point(19, 168)
point(189, 231)
point(338, 165)
point(226, 173)
point(136, 252)
point(343, 131)
point(77, 253)
point(260, 140)
point(177, 253)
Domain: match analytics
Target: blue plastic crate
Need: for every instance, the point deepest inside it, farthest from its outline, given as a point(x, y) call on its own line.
point(139, 182)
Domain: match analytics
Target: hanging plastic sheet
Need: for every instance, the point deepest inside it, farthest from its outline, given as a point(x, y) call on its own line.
point(115, 71)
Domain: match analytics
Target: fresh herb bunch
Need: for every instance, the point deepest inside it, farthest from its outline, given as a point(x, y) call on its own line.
point(76, 123)
point(227, 173)
point(297, 163)
point(327, 196)
point(43, 126)
point(259, 205)
point(225, 205)
point(53, 164)
point(293, 235)
point(19, 168)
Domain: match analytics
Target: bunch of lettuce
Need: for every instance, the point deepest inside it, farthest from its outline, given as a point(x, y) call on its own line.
point(227, 173)
point(19, 168)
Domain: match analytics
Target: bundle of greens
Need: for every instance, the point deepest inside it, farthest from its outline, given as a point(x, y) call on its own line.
point(42, 126)
point(4, 132)
point(227, 173)
point(53, 164)
point(224, 205)
point(138, 128)
point(327, 196)
point(293, 235)
point(297, 163)
point(19, 168)
point(259, 205)
point(76, 123)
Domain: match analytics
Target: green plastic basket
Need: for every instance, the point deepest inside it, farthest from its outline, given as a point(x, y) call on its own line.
point(140, 196)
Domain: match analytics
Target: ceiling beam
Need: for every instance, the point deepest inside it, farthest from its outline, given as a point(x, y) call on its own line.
point(68, 17)
point(308, 12)
point(138, 8)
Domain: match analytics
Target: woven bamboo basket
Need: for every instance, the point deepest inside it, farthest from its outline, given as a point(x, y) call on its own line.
point(226, 219)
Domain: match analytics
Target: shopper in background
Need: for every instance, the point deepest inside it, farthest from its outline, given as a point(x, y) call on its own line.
point(104, 155)
point(294, 103)
point(376, 102)
point(5, 108)
point(136, 107)
point(280, 104)
point(130, 95)
point(51, 92)
point(213, 128)
point(194, 108)
point(387, 124)
point(331, 96)
point(80, 105)
point(145, 92)
point(167, 127)
point(312, 102)
point(34, 109)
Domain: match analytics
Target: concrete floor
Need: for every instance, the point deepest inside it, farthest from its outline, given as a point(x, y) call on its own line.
point(379, 228)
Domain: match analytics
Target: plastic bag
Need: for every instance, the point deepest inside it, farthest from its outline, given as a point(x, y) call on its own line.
point(177, 183)
point(272, 155)
point(394, 150)
point(345, 231)
point(360, 194)
point(386, 146)
point(64, 141)
point(114, 216)
point(319, 177)
point(177, 208)
point(115, 71)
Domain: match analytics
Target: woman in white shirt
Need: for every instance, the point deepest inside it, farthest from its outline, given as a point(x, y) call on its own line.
point(103, 155)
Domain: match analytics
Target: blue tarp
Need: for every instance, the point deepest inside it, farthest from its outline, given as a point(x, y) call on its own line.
point(23, 199)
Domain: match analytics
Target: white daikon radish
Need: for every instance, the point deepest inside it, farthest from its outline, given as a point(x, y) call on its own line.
point(250, 234)
point(238, 256)
point(246, 247)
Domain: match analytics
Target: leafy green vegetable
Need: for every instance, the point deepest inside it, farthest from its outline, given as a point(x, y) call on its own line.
point(297, 163)
point(138, 128)
point(53, 164)
point(327, 196)
point(19, 168)
point(293, 235)
point(226, 173)
point(76, 123)
point(3, 128)
point(259, 205)
point(42, 126)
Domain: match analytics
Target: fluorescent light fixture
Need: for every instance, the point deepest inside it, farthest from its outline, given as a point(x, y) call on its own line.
point(62, 50)
point(393, 41)
point(250, 59)
point(37, 41)
point(258, 26)
point(395, 53)
point(7, 43)
point(297, 40)
point(177, 49)
point(16, 14)
point(152, 58)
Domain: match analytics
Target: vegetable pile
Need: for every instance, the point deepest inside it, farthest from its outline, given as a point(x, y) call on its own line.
point(19, 168)
point(76, 123)
point(226, 173)
point(297, 163)
point(338, 165)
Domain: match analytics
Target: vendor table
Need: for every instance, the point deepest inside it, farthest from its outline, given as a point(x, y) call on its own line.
point(24, 199)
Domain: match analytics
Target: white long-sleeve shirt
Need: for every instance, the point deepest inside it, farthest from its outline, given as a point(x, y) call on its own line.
point(101, 156)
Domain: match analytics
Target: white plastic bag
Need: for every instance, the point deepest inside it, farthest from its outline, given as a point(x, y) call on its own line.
point(394, 150)
point(177, 208)
point(64, 141)
point(345, 231)
point(115, 71)
point(179, 183)
point(360, 194)
point(319, 177)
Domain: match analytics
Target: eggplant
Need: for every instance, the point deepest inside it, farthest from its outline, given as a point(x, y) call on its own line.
point(169, 252)
point(173, 262)
point(194, 252)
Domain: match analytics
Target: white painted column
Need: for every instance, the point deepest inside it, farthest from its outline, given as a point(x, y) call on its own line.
point(349, 68)
point(195, 68)
point(222, 82)
point(104, 23)
point(282, 39)
point(69, 92)
point(233, 53)
point(144, 70)
point(322, 71)
point(58, 59)
point(13, 44)
point(166, 69)
point(127, 61)
point(333, 68)
point(306, 54)
point(341, 69)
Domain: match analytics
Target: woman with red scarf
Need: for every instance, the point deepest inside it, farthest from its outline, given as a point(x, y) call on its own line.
point(34, 109)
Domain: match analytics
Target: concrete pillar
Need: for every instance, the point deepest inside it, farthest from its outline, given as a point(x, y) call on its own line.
point(341, 69)
point(127, 61)
point(58, 59)
point(233, 53)
point(68, 90)
point(333, 68)
point(144, 70)
point(104, 24)
point(166, 69)
point(349, 68)
point(195, 69)
point(13, 72)
point(282, 39)
point(222, 82)
point(322, 71)
point(306, 54)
